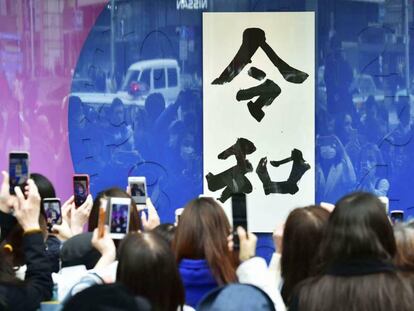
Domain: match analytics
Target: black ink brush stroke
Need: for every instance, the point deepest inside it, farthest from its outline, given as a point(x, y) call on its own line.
point(256, 73)
point(299, 168)
point(267, 92)
point(253, 38)
point(233, 179)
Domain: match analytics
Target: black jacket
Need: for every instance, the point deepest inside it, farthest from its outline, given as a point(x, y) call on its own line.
point(38, 284)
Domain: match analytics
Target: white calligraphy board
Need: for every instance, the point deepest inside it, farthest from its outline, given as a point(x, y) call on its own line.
point(288, 122)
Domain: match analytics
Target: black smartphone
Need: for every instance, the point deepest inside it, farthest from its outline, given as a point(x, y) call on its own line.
point(239, 210)
point(53, 212)
point(80, 188)
point(18, 170)
point(397, 216)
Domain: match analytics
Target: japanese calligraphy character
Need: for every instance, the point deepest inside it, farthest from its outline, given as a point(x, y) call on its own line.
point(253, 38)
point(299, 167)
point(233, 179)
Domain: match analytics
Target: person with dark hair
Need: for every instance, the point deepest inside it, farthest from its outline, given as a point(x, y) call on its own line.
point(45, 186)
point(46, 190)
point(335, 172)
point(355, 269)
point(147, 268)
point(37, 287)
point(201, 249)
point(78, 250)
point(166, 231)
point(14, 236)
point(370, 178)
point(302, 235)
point(119, 137)
point(154, 106)
point(106, 297)
point(135, 221)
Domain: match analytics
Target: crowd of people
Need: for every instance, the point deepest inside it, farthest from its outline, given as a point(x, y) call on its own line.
point(364, 130)
point(156, 137)
point(347, 256)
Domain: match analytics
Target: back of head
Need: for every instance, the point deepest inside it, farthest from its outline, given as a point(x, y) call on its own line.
point(166, 231)
point(78, 250)
point(44, 185)
point(147, 268)
point(404, 238)
point(110, 297)
point(154, 105)
point(302, 235)
point(356, 272)
point(116, 102)
point(202, 234)
point(135, 221)
point(236, 297)
point(358, 228)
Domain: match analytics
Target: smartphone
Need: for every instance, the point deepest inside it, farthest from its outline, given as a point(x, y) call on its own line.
point(53, 212)
point(18, 170)
point(239, 211)
point(118, 220)
point(80, 188)
point(138, 187)
point(178, 213)
point(397, 216)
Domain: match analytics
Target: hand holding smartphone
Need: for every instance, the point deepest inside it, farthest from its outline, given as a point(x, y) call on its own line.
point(80, 188)
point(53, 212)
point(239, 211)
point(18, 170)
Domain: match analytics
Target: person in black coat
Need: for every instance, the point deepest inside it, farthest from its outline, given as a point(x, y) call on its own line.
point(38, 284)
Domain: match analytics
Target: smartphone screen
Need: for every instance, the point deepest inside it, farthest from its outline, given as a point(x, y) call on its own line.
point(53, 213)
point(119, 217)
point(397, 216)
point(138, 189)
point(80, 189)
point(18, 170)
point(238, 206)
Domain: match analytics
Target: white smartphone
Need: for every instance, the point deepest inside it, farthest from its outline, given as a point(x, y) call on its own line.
point(138, 187)
point(118, 220)
point(178, 213)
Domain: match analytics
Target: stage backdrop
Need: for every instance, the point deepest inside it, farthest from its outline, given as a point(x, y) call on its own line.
point(52, 49)
point(258, 112)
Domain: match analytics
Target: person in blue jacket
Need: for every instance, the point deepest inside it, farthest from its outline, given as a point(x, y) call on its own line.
point(201, 249)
